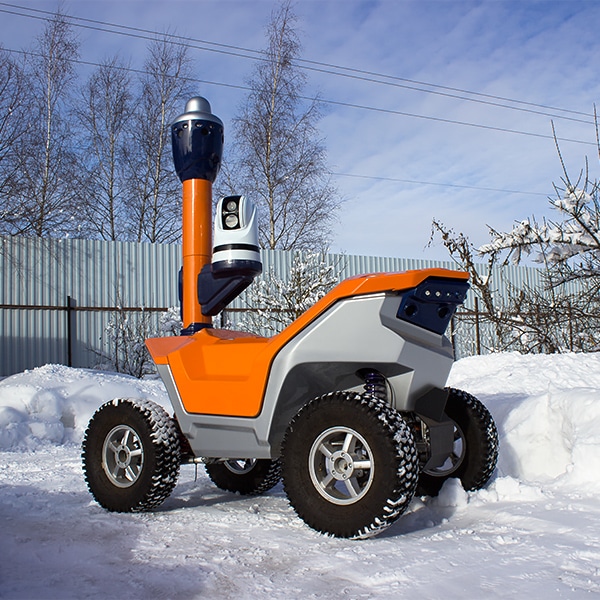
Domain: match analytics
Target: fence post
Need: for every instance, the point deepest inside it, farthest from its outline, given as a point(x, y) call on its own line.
point(477, 333)
point(71, 304)
point(453, 334)
point(571, 336)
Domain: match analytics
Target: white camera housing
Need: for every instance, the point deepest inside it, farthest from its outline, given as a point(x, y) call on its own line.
point(235, 241)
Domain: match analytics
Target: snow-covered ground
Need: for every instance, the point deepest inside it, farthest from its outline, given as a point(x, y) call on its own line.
point(533, 533)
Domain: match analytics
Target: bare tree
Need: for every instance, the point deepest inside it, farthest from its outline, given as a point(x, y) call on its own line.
point(104, 113)
point(463, 253)
point(47, 200)
point(13, 125)
point(481, 276)
point(154, 211)
point(278, 159)
point(274, 302)
point(568, 247)
point(563, 314)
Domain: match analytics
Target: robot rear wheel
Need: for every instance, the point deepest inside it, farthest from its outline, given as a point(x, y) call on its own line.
point(250, 476)
point(475, 452)
point(131, 455)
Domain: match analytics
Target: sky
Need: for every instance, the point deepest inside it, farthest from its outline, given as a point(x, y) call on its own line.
point(452, 101)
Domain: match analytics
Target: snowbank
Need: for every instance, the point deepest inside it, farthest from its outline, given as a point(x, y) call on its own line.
point(547, 409)
point(53, 404)
point(532, 532)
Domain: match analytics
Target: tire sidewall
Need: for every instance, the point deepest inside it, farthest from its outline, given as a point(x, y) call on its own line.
point(106, 493)
point(346, 520)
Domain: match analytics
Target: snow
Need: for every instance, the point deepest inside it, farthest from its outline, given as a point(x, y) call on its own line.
point(574, 235)
point(534, 531)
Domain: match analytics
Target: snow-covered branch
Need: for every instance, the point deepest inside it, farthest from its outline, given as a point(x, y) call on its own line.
point(274, 302)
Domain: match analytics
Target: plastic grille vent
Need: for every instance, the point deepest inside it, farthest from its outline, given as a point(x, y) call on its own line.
point(432, 303)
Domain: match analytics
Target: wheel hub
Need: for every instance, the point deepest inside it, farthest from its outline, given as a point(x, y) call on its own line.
point(341, 465)
point(122, 456)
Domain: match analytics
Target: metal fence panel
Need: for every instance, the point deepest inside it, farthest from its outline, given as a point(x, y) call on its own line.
point(38, 275)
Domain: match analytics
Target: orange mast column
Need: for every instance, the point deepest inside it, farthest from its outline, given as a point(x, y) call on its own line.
point(197, 139)
point(197, 245)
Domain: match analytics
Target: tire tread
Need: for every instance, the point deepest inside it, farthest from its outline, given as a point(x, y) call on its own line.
point(399, 436)
point(164, 435)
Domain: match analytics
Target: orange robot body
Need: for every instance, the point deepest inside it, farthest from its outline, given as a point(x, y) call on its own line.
point(223, 372)
point(349, 404)
point(202, 368)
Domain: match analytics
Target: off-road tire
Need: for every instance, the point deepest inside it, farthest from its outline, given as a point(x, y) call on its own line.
point(358, 436)
point(476, 446)
point(131, 455)
point(245, 476)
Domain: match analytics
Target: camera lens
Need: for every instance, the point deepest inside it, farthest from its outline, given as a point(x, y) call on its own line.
point(231, 221)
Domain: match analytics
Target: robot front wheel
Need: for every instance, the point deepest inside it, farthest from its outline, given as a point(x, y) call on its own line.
point(131, 455)
point(350, 464)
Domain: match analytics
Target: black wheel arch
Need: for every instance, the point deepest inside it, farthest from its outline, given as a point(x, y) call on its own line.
point(307, 381)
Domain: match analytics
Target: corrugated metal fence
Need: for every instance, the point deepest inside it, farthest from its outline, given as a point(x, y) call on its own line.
point(38, 277)
point(57, 297)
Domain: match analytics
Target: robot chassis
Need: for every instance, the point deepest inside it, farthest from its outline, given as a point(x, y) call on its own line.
point(348, 404)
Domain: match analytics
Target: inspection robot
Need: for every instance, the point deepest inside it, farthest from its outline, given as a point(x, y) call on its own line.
point(348, 405)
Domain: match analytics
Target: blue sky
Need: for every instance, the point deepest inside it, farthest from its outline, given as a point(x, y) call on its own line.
point(398, 171)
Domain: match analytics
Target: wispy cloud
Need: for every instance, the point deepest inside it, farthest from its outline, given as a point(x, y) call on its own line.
point(539, 52)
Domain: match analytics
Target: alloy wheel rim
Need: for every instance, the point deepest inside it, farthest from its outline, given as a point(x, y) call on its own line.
point(453, 462)
point(341, 465)
point(122, 456)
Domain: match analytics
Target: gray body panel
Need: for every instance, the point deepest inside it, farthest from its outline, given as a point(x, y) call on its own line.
point(355, 333)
